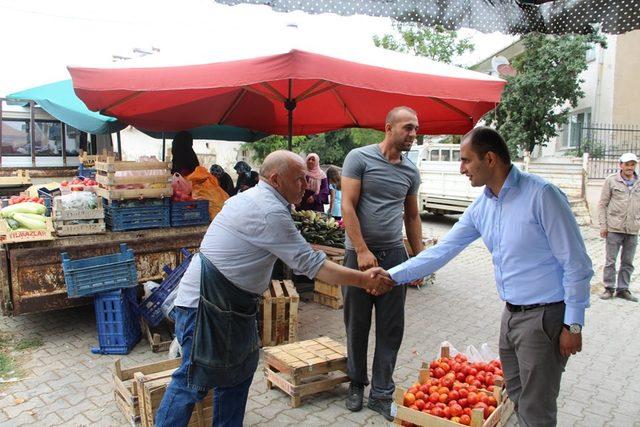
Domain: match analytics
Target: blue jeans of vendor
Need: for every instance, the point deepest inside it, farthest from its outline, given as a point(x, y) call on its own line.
point(220, 358)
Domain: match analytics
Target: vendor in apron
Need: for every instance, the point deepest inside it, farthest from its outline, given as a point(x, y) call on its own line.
point(217, 302)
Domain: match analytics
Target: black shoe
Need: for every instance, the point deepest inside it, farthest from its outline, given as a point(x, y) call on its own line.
point(607, 294)
point(625, 294)
point(354, 397)
point(383, 407)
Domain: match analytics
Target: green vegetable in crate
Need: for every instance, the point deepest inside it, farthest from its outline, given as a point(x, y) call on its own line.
point(27, 221)
point(12, 223)
point(316, 228)
point(25, 207)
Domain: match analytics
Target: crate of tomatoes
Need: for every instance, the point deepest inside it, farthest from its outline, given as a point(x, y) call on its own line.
point(453, 391)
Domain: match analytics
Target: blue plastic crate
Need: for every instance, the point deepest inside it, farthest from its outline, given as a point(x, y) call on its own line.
point(151, 307)
point(89, 276)
point(86, 172)
point(137, 214)
point(190, 213)
point(117, 321)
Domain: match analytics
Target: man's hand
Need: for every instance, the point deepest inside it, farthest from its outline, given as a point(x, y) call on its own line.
point(367, 260)
point(570, 343)
point(604, 234)
point(310, 199)
point(377, 281)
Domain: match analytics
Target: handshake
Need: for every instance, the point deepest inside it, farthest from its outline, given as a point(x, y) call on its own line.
point(376, 281)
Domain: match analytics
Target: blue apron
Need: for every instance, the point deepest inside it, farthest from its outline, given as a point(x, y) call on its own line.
point(225, 341)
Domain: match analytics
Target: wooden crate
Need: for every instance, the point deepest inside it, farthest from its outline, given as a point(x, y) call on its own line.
point(89, 160)
point(427, 242)
point(279, 314)
point(306, 368)
point(11, 236)
point(334, 254)
point(327, 294)
point(150, 392)
point(156, 186)
point(497, 419)
point(63, 219)
point(21, 178)
point(159, 337)
point(126, 389)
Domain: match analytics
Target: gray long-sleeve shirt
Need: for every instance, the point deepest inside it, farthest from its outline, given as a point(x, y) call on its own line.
point(252, 230)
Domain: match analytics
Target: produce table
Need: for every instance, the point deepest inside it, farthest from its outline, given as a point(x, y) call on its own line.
point(31, 277)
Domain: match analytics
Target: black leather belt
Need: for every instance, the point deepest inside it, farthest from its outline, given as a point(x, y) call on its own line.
point(515, 308)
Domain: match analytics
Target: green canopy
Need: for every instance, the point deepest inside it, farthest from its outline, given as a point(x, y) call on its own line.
point(60, 100)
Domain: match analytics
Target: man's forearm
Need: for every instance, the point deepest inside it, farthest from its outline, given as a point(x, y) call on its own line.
point(335, 274)
point(352, 228)
point(413, 227)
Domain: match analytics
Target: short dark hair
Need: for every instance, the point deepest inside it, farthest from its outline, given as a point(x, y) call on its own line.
point(484, 139)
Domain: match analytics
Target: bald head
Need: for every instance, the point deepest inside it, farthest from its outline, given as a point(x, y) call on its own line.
point(398, 112)
point(279, 162)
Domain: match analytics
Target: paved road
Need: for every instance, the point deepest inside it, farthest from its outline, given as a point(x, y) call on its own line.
point(67, 385)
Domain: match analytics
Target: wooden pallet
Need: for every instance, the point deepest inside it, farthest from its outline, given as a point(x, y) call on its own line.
point(150, 391)
point(279, 314)
point(63, 219)
point(126, 389)
point(21, 178)
point(159, 337)
point(156, 186)
point(89, 160)
point(306, 368)
point(11, 236)
point(327, 294)
point(334, 254)
point(498, 418)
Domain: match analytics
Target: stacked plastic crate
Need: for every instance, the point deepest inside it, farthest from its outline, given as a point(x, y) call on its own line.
point(136, 195)
point(112, 280)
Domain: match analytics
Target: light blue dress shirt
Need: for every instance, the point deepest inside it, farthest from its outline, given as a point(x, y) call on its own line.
point(253, 230)
point(537, 250)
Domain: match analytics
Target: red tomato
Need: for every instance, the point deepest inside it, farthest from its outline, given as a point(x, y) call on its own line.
point(454, 395)
point(463, 392)
point(433, 389)
point(437, 412)
point(444, 398)
point(439, 372)
point(463, 402)
point(465, 420)
point(447, 412)
point(456, 410)
point(473, 399)
point(420, 404)
point(433, 364)
point(434, 397)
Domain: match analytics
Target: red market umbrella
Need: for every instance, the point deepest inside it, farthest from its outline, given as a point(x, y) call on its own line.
point(289, 91)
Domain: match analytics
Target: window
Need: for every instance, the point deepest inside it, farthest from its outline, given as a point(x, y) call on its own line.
point(455, 155)
point(15, 138)
point(73, 140)
point(445, 155)
point(434, 155)
point(574, 129)
point(48, 139)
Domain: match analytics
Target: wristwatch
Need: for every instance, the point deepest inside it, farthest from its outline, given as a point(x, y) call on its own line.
point(574, 328)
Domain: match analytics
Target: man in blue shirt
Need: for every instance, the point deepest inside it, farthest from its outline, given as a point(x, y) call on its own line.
point(541, 266)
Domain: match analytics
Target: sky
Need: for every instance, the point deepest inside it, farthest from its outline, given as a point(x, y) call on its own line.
point(41, 37)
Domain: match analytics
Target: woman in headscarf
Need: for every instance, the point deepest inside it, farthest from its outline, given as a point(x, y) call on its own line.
point(317, 192)
point(246, 177)
point(224, 179)
point(183, 158)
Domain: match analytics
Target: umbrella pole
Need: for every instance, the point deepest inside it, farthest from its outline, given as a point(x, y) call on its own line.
point(290, 105)
point(164, 146)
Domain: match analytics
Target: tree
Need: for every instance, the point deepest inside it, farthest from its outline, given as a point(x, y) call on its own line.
point(436, 43)
point(537, 100)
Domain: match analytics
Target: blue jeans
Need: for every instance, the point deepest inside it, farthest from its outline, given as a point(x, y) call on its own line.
point(180, 398)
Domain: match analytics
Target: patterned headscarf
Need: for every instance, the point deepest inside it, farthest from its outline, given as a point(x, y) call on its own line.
point(243, 168)
point(315, 175)
point(216, 170)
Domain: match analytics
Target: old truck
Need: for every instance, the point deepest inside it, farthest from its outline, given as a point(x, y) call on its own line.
point(31, 277)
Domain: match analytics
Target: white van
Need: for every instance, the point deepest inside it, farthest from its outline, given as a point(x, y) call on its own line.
point(443, 190)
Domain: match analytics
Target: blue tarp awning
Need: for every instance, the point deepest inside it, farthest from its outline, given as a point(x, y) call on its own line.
point(60, 100)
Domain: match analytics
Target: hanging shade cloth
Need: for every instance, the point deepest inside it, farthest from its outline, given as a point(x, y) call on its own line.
point(506, 16)
point(59, 100)
point(274, 88)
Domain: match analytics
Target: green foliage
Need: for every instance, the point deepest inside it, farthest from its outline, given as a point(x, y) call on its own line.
point(432, 42)
point(547, 86)
point(332, 147)
point(27, 343)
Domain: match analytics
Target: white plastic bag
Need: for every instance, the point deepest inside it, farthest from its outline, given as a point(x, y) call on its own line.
point(483, 354)
point(175, 350)
point(168, 303)
point(149, 287)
